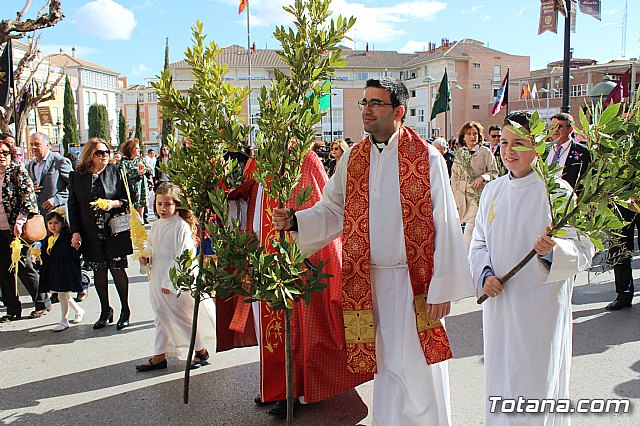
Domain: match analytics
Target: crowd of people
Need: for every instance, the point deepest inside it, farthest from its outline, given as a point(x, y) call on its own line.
point(427, 225)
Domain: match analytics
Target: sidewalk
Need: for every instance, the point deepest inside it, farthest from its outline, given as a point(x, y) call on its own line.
point(83, 376)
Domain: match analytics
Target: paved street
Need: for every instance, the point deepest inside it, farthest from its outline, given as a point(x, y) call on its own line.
point(84, 376)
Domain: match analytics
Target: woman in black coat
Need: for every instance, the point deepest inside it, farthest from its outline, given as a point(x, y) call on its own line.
point(95, 178)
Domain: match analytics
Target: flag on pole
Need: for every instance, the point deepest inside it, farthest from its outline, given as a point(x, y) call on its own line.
point(443, 97)
point(591, 8)
point(243, 6)
point(6, 74)
point(620, 91)
point(548, 17)
point(522, 95)
point(534, 91)
point(502, 99)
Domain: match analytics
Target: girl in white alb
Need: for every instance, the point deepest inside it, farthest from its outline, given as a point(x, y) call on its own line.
point(171, 235)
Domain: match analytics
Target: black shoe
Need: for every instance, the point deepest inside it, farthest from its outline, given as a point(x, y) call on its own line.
point(279, 409)
point(259, 402)
point(618, 304)
point(54, 298)
point(10, 317)
point(201, 360)
point(123, 322)
point(151, 366)
point(104, 317)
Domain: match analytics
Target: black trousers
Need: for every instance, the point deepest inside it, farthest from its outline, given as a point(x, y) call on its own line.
point(621, 254)
point(28, 276)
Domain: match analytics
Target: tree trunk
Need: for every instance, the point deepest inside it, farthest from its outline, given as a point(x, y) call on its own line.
point(194, 321)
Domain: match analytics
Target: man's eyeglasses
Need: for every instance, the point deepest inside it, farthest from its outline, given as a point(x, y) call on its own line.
point(5, 153)
point(100, 152)
point(372, 104)
point(496, 136)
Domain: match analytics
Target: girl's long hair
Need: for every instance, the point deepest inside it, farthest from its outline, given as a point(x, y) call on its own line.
point(172, 190)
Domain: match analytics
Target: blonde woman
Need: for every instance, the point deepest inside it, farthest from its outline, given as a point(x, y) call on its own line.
point(473, 167)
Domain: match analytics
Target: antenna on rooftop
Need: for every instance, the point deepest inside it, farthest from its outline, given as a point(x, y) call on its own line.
point(623, 53)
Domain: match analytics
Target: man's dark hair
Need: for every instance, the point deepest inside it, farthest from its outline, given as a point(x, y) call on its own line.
point(150, 151)
point(563, 116)
point(397, 90)
point(494, 127)
point(521, 117)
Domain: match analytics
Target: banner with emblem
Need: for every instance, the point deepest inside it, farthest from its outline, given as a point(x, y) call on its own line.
point(548, 17)
point(44, 114)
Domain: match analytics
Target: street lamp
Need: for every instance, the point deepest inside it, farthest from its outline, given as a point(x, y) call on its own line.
point(548, 92)
point(428, 79)
point(456, 87)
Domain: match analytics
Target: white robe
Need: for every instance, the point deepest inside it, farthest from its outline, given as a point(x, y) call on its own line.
point(527, 328)
point(407, 391)
point(168, 239)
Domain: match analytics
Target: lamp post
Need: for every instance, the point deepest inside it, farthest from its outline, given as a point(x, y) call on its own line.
point(454, 88)
point(548, 92)
point(428, 79)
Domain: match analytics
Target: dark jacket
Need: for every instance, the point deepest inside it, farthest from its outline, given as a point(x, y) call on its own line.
point(577, 163)
point(18, 195)
point(60, 270)
point(54, 180)
point(82, 219)
point(159, 176)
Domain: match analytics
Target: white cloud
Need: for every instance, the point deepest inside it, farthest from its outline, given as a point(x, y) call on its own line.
point(484, 18)
point(472, 9)
point(81, 51)
point(106, 19)
point(141, 69)
point(412, 46)
point(521, 11)
point(373, 23)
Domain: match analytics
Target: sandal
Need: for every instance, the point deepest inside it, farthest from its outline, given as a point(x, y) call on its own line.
point(10, 317)
point(201, 360)
point(38, 313)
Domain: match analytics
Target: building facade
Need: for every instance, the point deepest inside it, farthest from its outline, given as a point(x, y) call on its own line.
point(474, 71)
point(589, 81)
point(95, 85)
point(144, 95)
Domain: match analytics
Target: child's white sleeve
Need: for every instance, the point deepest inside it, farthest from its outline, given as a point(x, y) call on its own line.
point(571, 254)
point(479, 257)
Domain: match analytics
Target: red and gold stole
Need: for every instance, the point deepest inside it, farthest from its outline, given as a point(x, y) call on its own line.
point(417, 216)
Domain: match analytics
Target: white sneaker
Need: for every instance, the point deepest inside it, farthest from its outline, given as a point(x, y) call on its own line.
point(78, 318)
point(61, 327)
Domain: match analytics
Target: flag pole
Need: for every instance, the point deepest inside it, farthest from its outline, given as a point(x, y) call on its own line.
point(249, 53)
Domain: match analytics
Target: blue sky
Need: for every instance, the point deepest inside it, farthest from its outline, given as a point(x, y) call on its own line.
point(128, 36)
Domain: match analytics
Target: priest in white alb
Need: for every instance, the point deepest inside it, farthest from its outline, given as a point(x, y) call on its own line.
point(403, 259)
point(527, 321)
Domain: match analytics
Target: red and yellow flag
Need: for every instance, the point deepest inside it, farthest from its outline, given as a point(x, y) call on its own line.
point(243, 6)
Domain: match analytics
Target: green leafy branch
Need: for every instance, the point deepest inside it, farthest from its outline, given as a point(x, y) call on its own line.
point(612, 178)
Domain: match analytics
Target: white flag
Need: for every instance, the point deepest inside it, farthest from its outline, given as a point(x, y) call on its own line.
point(534, 91)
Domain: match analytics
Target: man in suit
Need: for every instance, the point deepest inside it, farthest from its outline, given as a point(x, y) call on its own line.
point(50, 174)
point(571, 155)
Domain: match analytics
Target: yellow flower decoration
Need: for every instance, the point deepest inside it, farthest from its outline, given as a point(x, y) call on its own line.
point(100, 203)
point(36, 253)
point(60, 211)
point(16, 248)
point(138, 235)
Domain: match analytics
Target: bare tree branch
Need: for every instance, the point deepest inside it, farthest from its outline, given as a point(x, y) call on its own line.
point(24, 10)
point(15, 29)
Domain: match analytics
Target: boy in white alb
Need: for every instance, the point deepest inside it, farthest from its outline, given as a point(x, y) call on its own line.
point(527, 322)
